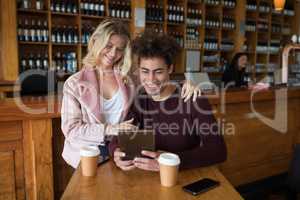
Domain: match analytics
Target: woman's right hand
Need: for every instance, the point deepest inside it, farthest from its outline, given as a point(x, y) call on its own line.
point(124, 165)
point(123, 126)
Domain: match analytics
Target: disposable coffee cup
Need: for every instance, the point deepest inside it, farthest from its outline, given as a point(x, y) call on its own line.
point(168, 168)
point(89, 159)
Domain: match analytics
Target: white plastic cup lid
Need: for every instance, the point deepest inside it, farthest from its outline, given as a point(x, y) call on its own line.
point(89, 151)
point(170, 159)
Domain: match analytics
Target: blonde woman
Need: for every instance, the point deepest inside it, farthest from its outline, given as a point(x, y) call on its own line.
point(96, 99)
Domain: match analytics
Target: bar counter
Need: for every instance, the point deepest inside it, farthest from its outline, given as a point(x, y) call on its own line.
point(31, 144)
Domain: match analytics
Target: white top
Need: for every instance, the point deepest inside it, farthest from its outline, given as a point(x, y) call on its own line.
point(169, 159)
point(112, 108)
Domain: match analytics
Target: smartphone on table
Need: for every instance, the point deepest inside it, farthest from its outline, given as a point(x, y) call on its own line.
point(201, 186)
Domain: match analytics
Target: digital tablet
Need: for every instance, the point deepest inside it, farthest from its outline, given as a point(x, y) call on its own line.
point(133, 142)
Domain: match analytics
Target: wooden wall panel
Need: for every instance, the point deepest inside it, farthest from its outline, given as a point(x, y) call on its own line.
point(7, 176)
point(256, 150)
point(10, 131)
point(12, 184)
point(8, 41)
point(37, 136)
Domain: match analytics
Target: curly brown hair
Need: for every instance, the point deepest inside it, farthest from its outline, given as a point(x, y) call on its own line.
point(154, 45)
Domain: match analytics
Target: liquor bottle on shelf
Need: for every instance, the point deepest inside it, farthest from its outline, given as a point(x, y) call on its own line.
point(211, 58)
point(178, 37)
point(96, 9)
point(32, 32)
point(75, 36)
point(150, 12)
point(250, 26)
point(86, 34)
point(26, 30)
point(21, 36)
point(120, 10)
point(71, 62)
point(71, 7)
point(25, 4)
point(226, 45)
point(274, 46)
point(212, 22)
point(192, 38)
point(262, 26)
point(262, 47)
point(276, 28)
point(81, 7)
point(57, 63)
point(45, 32)
point(34, 61)
point(65, 62)
point(228, 22)
point(39, 31)
point(39, 5)
point(264, 7)
point(63, 6)
point(212, 2)
point(175, 13)
point(112, 9)
point(65, 35)
point(158, 30)
point(128, 10)
point(36, 32)
point(23, 63)
point(53, 35)
point(251, 6)
point(30, 61)
point(154, 12)
point(194, 17)
point(38, 61)
point(56, 6)
point(211, 44)
point(229, 3)
point(45, 62)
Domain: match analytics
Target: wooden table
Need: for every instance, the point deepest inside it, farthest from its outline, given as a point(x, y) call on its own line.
point(113, 183)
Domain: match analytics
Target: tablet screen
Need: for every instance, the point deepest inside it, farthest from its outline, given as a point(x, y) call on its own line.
point(133, 142)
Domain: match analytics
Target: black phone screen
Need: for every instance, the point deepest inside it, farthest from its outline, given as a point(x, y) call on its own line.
point(200, 186)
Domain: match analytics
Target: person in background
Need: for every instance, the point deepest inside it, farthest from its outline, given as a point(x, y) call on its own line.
point(235, 73)
point(178, 126)
point(96, 99)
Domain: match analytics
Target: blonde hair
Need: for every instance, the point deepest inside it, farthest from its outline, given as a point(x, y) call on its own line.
point(99, 40)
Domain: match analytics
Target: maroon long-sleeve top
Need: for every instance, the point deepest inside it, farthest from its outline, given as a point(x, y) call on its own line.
point(187, 129)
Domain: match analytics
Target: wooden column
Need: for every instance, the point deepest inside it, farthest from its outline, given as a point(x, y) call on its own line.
point(8, 41)
point(136, 4)
point(37, 138)
point(240, 18)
